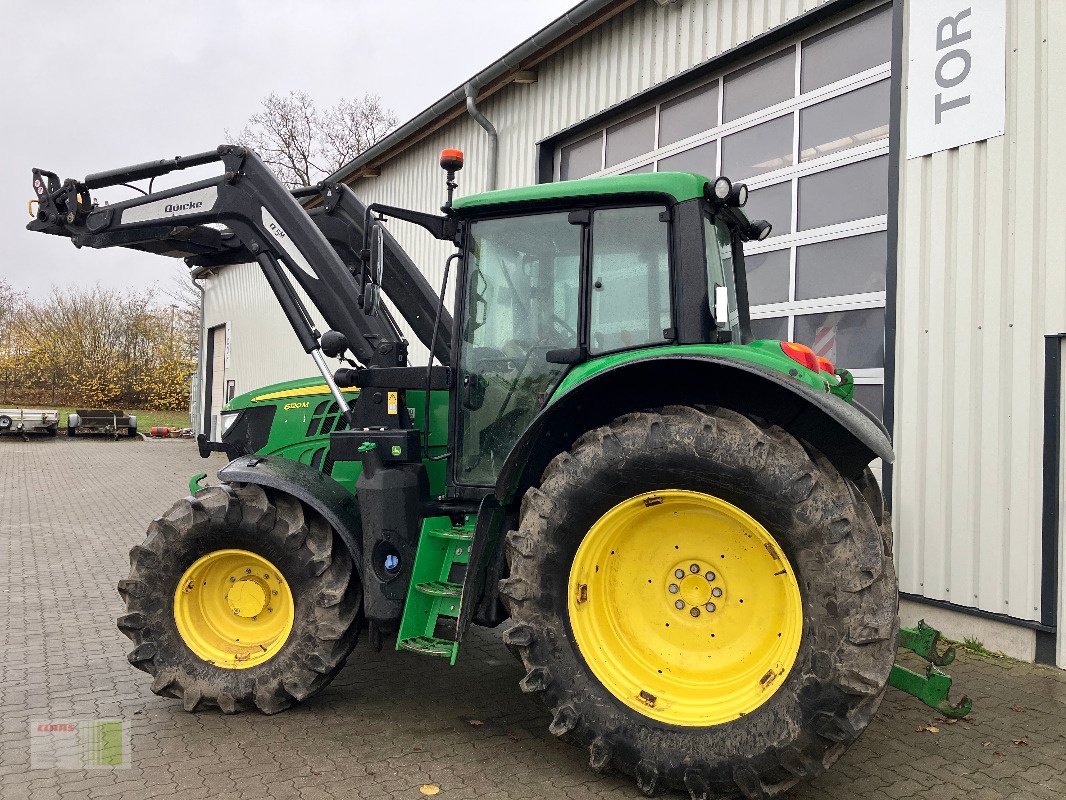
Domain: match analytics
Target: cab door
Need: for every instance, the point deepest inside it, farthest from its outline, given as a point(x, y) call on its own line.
point(520, 300)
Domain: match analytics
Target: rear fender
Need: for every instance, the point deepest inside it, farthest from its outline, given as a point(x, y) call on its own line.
point(338, 507)
point(847, 434)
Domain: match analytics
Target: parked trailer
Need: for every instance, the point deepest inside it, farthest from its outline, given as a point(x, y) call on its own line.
point(29, 420)
point(100, 420)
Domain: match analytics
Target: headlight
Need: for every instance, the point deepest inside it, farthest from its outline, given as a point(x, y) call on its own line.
point(227, 418)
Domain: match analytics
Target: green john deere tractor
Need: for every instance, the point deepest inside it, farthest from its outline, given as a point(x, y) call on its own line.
point(679, 522)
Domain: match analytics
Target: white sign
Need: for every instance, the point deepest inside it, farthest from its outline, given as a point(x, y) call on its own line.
point(956, 74)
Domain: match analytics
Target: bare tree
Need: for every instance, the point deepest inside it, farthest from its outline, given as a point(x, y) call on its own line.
point(9, 301)
point(303, 144)
point(353, 126)
point(184, 307)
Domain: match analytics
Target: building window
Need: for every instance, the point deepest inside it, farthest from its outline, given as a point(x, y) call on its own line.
point(806, 127)
point(581, 158)
point(689, 114)
point(848, 120)
point(760, 85)
point(862, 43)
point(631, 138)
point(701, 158)
point(766, 147)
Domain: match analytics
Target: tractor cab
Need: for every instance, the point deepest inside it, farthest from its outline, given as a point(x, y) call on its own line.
point(554, 276)
point(606, 265)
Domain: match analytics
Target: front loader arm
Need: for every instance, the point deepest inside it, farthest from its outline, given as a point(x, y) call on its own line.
point(341, 217)
point(260, 218)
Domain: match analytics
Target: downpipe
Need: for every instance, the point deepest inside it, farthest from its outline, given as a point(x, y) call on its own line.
point(490, 129)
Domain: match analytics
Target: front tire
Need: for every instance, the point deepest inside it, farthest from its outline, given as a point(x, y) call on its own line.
point(239, 598)
point(670, 716)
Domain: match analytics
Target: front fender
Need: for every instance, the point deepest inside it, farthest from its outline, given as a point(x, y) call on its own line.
point(845, 433)
point(338, 507)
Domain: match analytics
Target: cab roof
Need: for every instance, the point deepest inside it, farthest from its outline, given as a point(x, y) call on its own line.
point(680, 186)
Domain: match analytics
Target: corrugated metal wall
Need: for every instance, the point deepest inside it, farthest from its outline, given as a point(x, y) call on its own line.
point(263, 348)
point(638, 48)
point(982, 278)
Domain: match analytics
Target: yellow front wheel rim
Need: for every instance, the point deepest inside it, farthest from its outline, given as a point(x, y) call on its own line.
point(685, 608)
point(233, 609)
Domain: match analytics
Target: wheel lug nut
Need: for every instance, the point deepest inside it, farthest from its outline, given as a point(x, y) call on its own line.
point(694, 612)
point(232, 580)
point(709, 576)
point(674, 589)
point(710, 606)
point(717, 592)
point(679, 604)
point(679, 573)
point(248, 571)
point(274, 592)
point(694, 569)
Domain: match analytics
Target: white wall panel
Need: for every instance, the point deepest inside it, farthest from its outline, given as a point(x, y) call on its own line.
point(263, 348)
point(982, 279)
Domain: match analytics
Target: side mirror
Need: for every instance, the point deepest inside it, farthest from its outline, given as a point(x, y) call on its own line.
point(372, 280)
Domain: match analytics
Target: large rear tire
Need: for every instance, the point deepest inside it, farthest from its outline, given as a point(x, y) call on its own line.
point(240, 598)
point(656, 676)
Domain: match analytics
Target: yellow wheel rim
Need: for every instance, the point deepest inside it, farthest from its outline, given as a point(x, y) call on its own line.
point(234, 609)
point(685, 608)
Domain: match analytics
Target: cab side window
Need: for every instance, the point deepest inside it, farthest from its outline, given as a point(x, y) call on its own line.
point(629, 278)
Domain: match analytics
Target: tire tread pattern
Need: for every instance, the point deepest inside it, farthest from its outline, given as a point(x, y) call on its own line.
point(844, 556)
point(326, 590)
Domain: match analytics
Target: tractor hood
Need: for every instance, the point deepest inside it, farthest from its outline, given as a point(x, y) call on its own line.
point(298, 390)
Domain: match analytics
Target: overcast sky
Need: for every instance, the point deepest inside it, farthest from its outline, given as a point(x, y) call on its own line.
point(88, 86)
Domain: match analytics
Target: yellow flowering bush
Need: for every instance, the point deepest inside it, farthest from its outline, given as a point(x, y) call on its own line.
point(98, 347)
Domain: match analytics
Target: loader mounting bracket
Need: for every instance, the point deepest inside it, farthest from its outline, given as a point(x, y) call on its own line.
point(934, 686)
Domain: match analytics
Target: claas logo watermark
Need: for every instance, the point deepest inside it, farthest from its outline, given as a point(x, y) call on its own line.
point(79, 744)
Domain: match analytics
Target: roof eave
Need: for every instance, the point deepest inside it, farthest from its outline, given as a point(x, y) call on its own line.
point(576, 22)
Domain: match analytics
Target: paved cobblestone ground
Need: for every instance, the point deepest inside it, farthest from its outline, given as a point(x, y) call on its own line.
point(69, 512)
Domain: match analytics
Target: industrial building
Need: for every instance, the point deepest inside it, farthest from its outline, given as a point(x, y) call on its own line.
point(912, 159)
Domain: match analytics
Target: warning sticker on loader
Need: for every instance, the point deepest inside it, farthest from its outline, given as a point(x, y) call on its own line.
point(394, 401)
